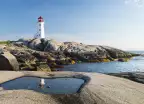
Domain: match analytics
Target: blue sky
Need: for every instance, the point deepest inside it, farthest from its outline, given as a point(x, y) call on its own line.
point(116, 23)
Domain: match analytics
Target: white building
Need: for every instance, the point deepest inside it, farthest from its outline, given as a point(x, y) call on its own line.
point(40, 32)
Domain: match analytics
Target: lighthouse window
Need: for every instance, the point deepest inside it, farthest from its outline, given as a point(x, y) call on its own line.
point(39, 24)
point(39, 29)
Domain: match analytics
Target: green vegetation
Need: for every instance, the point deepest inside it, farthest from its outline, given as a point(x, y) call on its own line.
point(6, 42)
point(105, 60)
point(100, 60)
point(92, 61)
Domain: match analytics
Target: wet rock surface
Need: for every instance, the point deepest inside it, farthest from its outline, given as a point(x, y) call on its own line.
point(79, 50)
point(134, 76)
point(99, 89)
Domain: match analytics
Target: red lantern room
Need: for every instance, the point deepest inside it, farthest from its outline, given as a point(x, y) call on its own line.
point(40, 19)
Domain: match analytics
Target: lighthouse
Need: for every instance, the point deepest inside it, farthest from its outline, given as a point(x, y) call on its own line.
point(40, 32)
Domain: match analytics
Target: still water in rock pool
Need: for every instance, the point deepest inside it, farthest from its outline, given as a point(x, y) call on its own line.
point(135, 64)
point(52, 86)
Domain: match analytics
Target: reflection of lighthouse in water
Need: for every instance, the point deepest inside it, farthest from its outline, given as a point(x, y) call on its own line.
point(40, 33)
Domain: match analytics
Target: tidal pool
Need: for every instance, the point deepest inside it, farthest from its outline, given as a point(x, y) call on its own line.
point(52, 86)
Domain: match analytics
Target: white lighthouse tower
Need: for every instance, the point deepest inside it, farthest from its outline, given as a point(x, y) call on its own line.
point(40, 33)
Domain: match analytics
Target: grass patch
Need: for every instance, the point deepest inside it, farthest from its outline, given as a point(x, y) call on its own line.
point(6, 42)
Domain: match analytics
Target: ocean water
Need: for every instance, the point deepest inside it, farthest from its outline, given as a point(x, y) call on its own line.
point(135, 64)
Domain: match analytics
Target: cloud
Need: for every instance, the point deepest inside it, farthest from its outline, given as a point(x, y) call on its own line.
point(127, 1)
point(138, 3)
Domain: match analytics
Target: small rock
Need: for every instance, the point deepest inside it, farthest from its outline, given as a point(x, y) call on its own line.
point(48, 87)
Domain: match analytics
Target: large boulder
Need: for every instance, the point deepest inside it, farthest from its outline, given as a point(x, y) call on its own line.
point(8, 62)
point(53, 45)
point(35, 66)
point(18, 44)
point(25, 41)
point(76, 51)
point(31, 60)
point(23, 55)
point(117, 53)
point(43, 66)
point(45, 45)
point(35, 44)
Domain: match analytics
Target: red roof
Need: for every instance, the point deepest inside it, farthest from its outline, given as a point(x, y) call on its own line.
point(40, 19)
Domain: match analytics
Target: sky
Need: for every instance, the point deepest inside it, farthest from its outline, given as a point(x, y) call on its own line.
point(115, 23)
